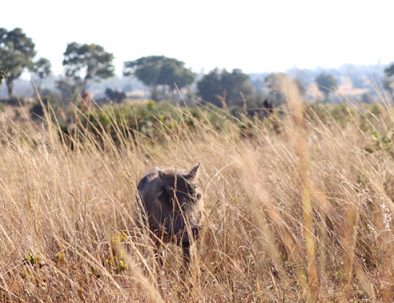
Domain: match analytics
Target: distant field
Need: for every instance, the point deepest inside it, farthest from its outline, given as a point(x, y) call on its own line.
point(298, 208)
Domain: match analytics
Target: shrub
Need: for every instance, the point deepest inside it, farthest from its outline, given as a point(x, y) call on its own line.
point(149, 120)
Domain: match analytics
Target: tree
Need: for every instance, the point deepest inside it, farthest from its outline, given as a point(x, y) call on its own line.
point(174, 75)
point(2, 75)
point(154, 71)
point(277, 85)
point(209, 87)
point(41, 69)
point(145, 69)
point(16, 54)
point(388, 81)
point(86, 62)
point(115, 95)
point(220, 87)
point(388, 85)
point(389, 71)
point(326, 83)
point(68, 90)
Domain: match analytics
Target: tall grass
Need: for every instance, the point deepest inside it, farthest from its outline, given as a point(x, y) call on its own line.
point(298, 210)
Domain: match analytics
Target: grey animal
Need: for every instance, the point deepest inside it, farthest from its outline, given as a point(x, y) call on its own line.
point(172, 207)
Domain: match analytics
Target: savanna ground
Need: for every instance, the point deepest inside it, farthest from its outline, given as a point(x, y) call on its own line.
point(298, 208)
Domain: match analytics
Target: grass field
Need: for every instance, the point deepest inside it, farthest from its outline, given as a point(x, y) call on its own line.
point(298, 210)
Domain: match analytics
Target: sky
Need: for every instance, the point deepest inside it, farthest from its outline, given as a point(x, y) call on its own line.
point(255, 36)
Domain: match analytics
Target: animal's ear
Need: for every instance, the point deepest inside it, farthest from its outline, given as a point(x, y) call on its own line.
point(193, 174)
point(162, 175)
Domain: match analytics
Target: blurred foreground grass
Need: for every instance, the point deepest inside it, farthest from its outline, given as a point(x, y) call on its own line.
point(298, 206)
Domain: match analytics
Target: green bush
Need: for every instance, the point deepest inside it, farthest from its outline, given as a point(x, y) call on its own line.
point(157, 122)
point(329, 113)
point(149, 120)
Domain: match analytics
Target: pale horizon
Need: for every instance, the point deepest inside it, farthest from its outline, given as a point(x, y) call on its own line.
point(253, 36)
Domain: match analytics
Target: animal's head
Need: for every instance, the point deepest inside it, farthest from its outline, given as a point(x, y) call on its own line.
point(180, 189)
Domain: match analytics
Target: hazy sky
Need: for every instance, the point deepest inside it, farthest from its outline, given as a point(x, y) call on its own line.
point(256, 36)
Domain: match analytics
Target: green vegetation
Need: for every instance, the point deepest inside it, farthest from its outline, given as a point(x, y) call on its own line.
point(327, 84)
point(115, 95)
point(155, 71)
point(85, 62)
point(3, 74)
point(389, 71)
point(223, 88)
point(16, 54)
point(41, 69)
point(147, 121)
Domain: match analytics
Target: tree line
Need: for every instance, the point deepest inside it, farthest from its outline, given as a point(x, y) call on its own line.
point(163, 76)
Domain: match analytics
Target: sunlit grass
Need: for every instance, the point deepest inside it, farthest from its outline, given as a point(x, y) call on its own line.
point(296, 210)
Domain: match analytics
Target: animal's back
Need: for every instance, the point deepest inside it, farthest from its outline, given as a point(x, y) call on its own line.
point(149, 183)
point(149, 189)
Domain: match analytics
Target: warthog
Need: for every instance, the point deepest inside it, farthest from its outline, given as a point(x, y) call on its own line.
point(172, 207)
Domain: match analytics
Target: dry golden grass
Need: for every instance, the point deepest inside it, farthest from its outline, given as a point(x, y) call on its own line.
point(300, 214)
